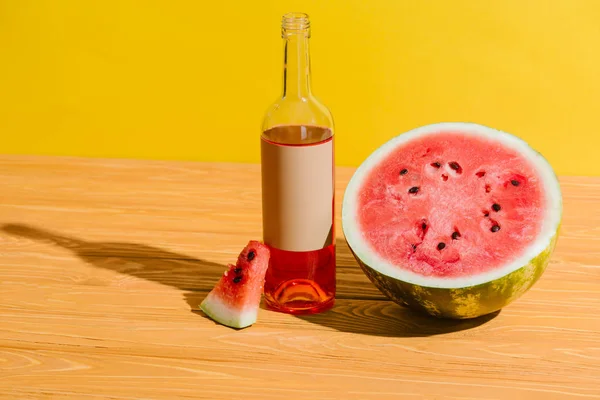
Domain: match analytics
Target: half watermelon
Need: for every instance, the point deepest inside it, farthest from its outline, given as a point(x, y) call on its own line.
point(235, 299)
point(454, 219)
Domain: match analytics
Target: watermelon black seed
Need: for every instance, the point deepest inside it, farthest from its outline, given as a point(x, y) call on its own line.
point(454, 165)
point(404, 171)
point(413, 190)
point(441, 245)
point(496, 207)
point(480, 174)
point(422, 227)
point(486, 214)
point(515, 182)
point(455, 235)
point(237, 279)
point(436, 165)
point(238, 270)
point(251, 255)
point(414, 247)
point(495, 228)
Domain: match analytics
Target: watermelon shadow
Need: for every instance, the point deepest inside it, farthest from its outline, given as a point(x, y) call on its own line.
point(195, 277)
point(362, 309)
point(386, 318)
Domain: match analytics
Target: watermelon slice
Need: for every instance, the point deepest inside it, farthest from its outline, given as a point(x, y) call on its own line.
point(235, 299)
point(455, 219)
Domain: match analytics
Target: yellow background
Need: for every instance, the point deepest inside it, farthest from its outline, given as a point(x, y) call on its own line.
point(191, 80)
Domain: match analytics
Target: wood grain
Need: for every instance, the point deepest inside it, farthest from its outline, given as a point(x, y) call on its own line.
point(103, 263)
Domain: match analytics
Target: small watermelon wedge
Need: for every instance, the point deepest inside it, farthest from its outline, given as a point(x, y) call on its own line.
point(235, 299)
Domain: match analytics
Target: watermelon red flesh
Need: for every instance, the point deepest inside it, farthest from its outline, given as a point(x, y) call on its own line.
point(235, 299)
point(486, 270)
point(477, 205)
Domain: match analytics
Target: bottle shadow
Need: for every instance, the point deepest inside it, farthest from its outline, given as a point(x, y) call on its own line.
point(193, 276)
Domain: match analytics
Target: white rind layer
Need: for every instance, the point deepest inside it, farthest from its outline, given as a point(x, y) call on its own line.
point(222, 313)
point(551, 220)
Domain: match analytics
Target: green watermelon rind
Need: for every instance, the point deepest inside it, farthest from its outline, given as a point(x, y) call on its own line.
point(460, 298)
point(467, 302)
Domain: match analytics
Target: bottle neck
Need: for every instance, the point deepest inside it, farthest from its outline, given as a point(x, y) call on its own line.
point(296, 69)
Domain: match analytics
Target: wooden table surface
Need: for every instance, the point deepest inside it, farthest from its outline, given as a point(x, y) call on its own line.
point(103, 264)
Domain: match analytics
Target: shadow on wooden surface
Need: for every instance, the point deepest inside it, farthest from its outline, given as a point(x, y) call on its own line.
point(193, 276)
point(352, 283)
point(386, 318)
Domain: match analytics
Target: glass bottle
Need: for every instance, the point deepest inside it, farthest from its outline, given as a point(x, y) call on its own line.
point(297, 159)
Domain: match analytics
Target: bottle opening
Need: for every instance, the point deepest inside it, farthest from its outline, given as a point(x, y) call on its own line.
point(295, 22)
